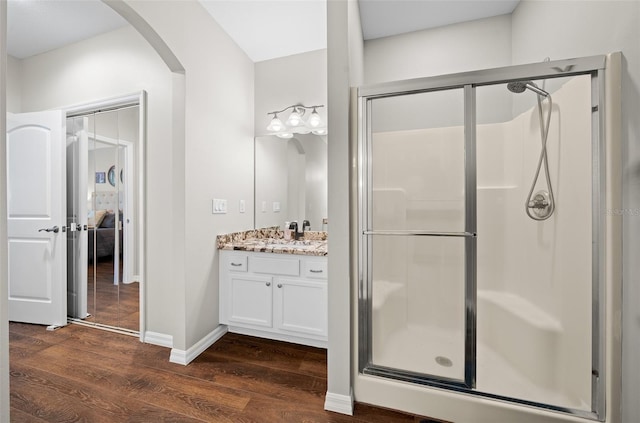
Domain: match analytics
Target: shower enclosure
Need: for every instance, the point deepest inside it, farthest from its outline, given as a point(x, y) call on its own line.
point(460, 286)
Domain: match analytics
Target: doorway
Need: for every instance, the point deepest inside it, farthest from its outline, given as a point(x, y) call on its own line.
point(104, 203)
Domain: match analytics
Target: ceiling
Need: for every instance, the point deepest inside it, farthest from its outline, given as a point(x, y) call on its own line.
point(36, 26)
point(264, 29)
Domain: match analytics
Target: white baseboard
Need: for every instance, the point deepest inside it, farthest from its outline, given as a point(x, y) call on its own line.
point(342, 404)
point(160, 339)
point(185, 357)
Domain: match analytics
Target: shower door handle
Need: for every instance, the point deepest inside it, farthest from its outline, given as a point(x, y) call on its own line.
point(421, 233)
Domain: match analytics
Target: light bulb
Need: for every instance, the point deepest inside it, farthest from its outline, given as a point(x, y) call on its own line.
point(294, 118)
point(275, 125)
point(314, 120)
point(285, 135)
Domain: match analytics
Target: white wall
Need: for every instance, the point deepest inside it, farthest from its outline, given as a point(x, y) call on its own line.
point(14, 85)
point(583, 28)
point(218, 151)
point(480, 44)
point(344, 41)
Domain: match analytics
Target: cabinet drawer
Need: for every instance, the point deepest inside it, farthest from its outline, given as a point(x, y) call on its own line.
point(237, 263)
point(315, 269)
point(275, 266)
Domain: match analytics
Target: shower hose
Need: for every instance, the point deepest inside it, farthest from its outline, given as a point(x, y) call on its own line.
point(544, 134)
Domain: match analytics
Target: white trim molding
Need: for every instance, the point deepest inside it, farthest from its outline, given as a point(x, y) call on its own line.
point(185, 357)
point(160, 339)
point(342, 404)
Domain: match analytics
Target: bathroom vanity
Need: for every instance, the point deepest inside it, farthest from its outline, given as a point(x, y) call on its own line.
point(274, 288)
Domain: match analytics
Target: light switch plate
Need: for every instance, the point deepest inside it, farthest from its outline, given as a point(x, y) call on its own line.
point(264, 207)
point(242, 207)
point(219, 206)
point(276, 206)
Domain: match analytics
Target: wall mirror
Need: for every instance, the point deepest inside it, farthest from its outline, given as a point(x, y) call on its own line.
point(290, 181)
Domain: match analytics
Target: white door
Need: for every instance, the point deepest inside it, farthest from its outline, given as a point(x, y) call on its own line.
point(36, 213)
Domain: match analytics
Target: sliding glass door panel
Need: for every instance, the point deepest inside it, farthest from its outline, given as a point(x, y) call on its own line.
point(417, 162)
point(417, 305)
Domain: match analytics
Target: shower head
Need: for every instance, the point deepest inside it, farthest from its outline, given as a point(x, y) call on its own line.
point(520, 87)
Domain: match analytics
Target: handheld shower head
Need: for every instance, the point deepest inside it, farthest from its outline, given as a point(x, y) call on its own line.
point(520, 87)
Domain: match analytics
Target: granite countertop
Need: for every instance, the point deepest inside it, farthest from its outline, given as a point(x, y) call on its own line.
point(271, 240)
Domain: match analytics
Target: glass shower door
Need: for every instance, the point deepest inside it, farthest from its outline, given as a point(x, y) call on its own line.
point(419, 238)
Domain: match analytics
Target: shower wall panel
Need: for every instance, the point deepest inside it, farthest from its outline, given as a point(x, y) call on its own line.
point(545, 291)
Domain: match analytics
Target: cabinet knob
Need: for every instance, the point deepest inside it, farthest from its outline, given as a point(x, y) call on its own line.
point(279, 285)
point(268, 283)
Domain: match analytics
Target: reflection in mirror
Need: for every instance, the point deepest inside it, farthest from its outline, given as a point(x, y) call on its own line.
point(291, 181)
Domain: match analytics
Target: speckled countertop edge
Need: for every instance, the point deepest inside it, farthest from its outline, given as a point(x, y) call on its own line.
point(271, 240)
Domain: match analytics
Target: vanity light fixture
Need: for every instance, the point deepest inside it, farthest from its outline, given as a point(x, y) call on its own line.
point(295, 124)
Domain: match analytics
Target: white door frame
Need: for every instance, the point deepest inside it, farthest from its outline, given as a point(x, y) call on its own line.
point(79, 290)
point(140, 99)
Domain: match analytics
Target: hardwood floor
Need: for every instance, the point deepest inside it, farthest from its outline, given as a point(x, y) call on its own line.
point(84, 374)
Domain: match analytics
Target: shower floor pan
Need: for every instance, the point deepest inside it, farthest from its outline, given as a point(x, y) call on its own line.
point(421, 349)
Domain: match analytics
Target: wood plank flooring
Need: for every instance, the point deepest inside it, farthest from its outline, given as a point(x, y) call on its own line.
point(85, 374)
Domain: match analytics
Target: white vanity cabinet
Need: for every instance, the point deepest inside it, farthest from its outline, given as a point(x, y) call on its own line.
point(278, 296)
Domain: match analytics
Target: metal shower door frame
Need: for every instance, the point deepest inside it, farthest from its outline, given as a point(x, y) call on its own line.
point(468, 81)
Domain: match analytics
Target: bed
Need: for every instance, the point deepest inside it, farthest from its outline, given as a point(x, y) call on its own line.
point(104, 234)
point(102, 224)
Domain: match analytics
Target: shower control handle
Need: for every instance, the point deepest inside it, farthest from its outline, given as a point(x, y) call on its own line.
point(541, 205)
point(538, 203)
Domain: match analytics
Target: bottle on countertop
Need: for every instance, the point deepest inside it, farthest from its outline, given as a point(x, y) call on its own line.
point(287, 231)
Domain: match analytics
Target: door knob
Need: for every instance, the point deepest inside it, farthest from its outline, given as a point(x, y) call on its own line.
point(55, 230)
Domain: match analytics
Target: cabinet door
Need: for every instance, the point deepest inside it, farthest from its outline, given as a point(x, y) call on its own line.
point(301, 306)
point(250, 300)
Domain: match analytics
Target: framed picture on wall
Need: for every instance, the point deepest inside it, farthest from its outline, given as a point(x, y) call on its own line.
point(101, 177)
